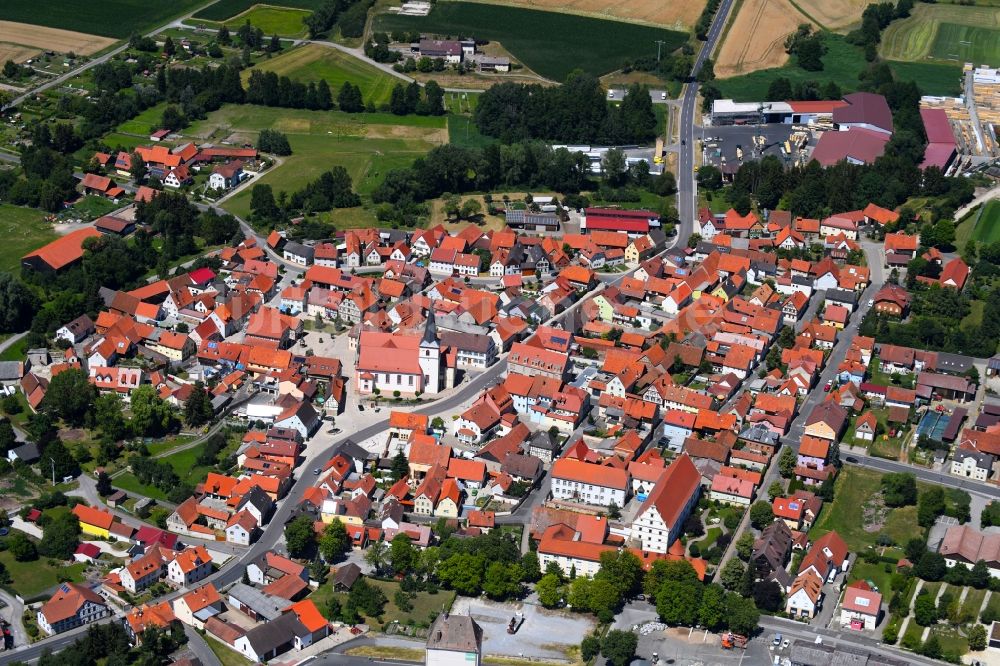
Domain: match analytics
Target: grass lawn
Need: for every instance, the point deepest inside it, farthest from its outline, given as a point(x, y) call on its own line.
point(975, 317)
point(945, 33)
point(367, 145)
point(313, 62)
point(841, 64)
point(109, 18)
point(129, 483)
point(462, 131)
point(144, 122)
point(872, 572)
point(158, 447)
point(224, 9)
point(907, 380)
point(117, 141)
point(423, 604)
point(273, 21)
point(852, 492)
point(994, 603)
point(973, 600)
point(91, 207)
point(951, 640)
point(712, 535)
point(551, 44)
point(24, 230)
point(227, 656)
point(34, 578)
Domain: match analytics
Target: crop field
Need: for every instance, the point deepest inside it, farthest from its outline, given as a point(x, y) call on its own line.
point(833, 14)
point(548, 43)
point(367, 145)
point(947, 33)
point(273, 21)
point(108, 18)
point(678, 14)
point(313, 62)
point(37, 38)
point(223, 10)
point(841, 64)
point(17, 52)
point(756, 39)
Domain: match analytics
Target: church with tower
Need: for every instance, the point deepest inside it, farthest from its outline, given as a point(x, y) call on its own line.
point(409, 363)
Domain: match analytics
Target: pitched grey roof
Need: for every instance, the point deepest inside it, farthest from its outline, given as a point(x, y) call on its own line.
point(458, 633)
point(263, 604)
point(271, 635)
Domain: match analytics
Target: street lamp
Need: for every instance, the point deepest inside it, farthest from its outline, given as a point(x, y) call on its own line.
point(53, 470)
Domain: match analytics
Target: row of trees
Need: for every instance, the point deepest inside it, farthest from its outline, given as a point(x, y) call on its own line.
point(345, 13)
point(408, 99)
point(333, 189)
point(576, 111)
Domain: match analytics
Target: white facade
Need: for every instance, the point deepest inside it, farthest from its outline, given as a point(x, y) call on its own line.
point(588, 493)
point(87, 613)
point(582, 567)
point(653, 534)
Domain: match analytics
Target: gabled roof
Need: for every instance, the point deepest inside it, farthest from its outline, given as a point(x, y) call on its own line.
point(671, 493)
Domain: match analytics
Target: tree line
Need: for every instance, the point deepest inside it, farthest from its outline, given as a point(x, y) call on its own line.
point(576, 112)
point(349, 15)
point(333, 189)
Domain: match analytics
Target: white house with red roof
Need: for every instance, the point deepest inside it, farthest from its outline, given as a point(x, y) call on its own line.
point(860, 608)
point(391, 362)
point(661, 517)
point(589, 483)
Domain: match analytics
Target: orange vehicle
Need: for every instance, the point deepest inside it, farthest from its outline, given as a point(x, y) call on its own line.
point(731, 640)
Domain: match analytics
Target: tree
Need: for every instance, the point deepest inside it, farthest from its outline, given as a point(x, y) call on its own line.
point(677, 602)
point(60, 537)
point(549, 589)
point(623, 570)
point(531, 570)
point(104, 484)
point(17, 304)
point(931, 566)
point(8, 439)
point(590, 647)
point(262, 204)
point(376, 556)
point(977, 637)
point(741, 614)
point(300, 537)
point(732, 574)
point(925, 610)
point(349, 98)
point(334, 542)
point(613, 166)
point(402, 555)
point(712, 613)
point(709, 177)
point(57, 459)
point(168, 47)
point(470, 208)
point(744, 546)
point(462, 572)
point(366, 598)
point(70, 396)
point(776, 489)
point(787, 462)
point(767, 596)
point(198, 408)
point(21, 547)
point(223, 36)
point(930, 505)
point(400, 466)
point(502, 581)
point(151, 415)
point(274, 142)
point(780, 88)
point(618, 647)
point(761, 514)
point(979, 576)
point(899, 489)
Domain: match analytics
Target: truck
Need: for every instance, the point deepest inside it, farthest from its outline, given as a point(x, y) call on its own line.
point(658, 151)
point(731, 640)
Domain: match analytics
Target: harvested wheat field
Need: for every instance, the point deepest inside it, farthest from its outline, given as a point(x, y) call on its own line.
point(677, 14)
point(16, 52)
point(834, 14)
point(54, 39)
point(756, 39)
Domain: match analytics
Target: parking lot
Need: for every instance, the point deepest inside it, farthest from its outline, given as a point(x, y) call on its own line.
point(722, 144)
point(543, 635)
point(658, 96)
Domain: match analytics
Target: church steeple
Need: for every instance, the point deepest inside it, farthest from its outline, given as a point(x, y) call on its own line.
point(430, 330)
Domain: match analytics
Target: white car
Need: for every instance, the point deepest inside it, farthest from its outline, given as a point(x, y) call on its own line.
point(871, 302)
point(663, 95)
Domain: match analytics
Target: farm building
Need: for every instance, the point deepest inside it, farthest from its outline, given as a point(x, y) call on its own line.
point(633, 222)
point(941, 149)
point(61, 253)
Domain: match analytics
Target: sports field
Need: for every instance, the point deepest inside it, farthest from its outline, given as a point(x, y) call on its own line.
point(548, 43)
point(313, 62)
point(756, 38)
point(945, 33)
point(272, 20)
point(30, 39)
point(842, 63)
point(108, 18)
point(367, 145)
point(678, 14)
point(226, 9)
point(987, 229)
point(23, 230)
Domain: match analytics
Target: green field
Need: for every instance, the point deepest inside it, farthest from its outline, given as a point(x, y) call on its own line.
point(314, 62)
point(842, 64)
point(987, 224)
point(852, 491)
point(33, 578)
point(945, 33)
point(183, 462)
point(424, 603)
point(109, 18)
point(549, 43)
point(367, 145)
point(225, 9)
point(144, 122)
point(23, 230)
point(273, 21)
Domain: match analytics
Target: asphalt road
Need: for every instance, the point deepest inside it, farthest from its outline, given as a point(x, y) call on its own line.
point(687, 199)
